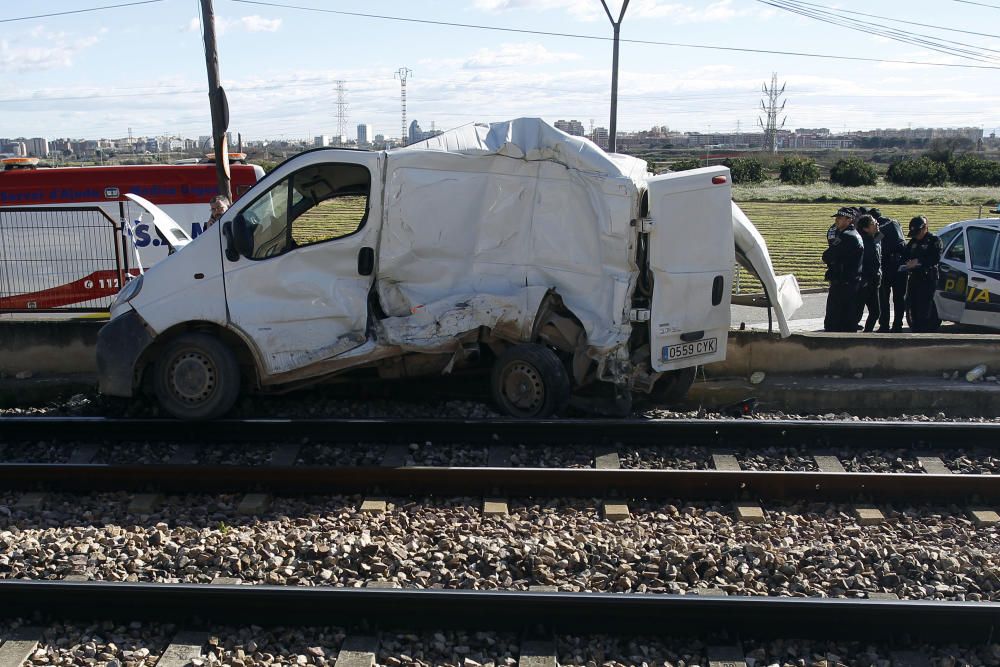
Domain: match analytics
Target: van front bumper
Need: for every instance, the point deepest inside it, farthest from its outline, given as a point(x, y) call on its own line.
point(120, 343)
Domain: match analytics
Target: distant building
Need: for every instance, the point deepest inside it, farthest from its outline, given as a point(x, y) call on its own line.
point(322, 141)
point(37, 147)
point(600, 136)
point(365, 135)
point(573, 127)
point(415, 134)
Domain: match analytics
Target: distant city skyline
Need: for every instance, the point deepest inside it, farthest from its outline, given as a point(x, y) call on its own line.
point(97, 74)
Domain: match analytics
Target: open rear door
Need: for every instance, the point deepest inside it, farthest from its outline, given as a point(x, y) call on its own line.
point(751, 253)
point(691, 255)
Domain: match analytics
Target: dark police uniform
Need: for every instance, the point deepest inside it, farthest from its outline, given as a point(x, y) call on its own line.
point(893, 280)
point(871, 277)
point(923, 281)
point(831, 237)
point(843, 261)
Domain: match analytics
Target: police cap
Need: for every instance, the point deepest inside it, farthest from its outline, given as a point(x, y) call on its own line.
point(845, 212)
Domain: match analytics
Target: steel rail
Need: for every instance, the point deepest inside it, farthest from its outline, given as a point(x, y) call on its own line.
point(514, 482)
point(713, 433)
point(629, 613)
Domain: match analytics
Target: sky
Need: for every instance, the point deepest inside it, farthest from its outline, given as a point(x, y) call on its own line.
point(97, 74)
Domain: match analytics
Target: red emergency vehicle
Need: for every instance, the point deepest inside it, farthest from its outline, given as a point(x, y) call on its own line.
point(47, 243)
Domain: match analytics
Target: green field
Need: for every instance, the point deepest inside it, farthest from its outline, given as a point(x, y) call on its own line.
point(796, 233)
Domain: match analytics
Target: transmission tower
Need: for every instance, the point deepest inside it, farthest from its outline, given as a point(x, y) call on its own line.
point(341, 112)
point(401, 74)
point(771, 108)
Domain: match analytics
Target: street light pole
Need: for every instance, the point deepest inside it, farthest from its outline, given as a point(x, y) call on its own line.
point(616, 25)
point(217, 100)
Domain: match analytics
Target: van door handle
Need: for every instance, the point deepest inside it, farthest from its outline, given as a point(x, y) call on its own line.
point(366, 261)
point(976, 279)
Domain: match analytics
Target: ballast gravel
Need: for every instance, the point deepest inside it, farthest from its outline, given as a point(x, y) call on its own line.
point(448, 649)
point(800, 550)
point(254, 645)
point(103, 643)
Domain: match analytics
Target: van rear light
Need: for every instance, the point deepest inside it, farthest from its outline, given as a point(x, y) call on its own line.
point(718, 180)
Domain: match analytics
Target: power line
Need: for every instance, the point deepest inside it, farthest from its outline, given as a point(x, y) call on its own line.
point(545, 33)
point(80, 11)
point(981, 4)
point(890, 18)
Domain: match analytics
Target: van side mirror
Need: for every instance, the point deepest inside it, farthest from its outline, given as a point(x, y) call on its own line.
point(231, 253)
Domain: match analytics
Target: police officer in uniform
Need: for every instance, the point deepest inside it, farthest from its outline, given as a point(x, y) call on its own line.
point(923, 253)
point(844, 216)
point(892, 292)
point(871, 270)
point(843, 260)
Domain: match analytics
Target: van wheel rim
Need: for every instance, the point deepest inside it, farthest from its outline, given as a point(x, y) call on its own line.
point(523, 387)
point(192, 377)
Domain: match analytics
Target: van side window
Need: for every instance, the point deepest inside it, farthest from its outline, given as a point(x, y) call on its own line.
point(957, 250)
point(328, 202)
point(983, 248)
point(319, 203)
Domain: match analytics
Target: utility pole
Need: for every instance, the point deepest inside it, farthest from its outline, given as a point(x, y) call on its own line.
point(401, 74)
point(616, 25)
point(217, 100)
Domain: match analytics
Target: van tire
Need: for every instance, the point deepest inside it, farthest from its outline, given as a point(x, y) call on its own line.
point(530, 381)
point(196, 376)
point(673, 385)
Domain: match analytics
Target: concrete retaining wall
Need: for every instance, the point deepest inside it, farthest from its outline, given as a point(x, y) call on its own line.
point(878, 355)
point(48, 347)
point(67, 347)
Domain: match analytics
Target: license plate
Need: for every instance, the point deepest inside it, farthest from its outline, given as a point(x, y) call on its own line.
point(695, 349)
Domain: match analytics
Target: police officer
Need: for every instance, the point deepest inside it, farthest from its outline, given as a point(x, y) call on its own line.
point(871, 270)
point(893, 280)
point(843, 216)
point(923, 253)
point(843, 261)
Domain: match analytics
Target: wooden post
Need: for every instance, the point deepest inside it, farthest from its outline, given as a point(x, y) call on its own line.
point(217, 100)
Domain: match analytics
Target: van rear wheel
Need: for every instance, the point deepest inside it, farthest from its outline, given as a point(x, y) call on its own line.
point(530, 381)
point(196, 377)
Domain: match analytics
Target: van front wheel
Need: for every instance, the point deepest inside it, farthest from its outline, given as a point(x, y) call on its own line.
point(530, 381)
point(673, 385)
point(196, 377)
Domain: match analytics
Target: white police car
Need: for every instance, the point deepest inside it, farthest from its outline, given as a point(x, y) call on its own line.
point(969, 280)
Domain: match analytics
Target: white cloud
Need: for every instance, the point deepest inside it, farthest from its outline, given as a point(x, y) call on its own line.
point(47, 50)
point(252, 23)
point(676, 12)
point(508, 55)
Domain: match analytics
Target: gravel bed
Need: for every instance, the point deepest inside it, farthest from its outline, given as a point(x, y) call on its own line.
point(613, 651)
point(329, 403)
point(448, 649)
point(777, 458)
point(430, 454)
point(254, 645)
point(801, 550)
point(879, 460)
point(551, 456)
point(235, 455)
point(139, 453)
point(977, 461)
point(35, 452)
point(665, 457)
point(104, 643)
point(361, 454)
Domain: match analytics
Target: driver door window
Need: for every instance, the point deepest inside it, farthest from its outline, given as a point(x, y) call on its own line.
point(319, 203)
point(956, 252)
point(983, 246)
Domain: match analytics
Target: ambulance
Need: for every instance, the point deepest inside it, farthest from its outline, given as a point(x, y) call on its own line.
point(55, 256)
point(514, 247)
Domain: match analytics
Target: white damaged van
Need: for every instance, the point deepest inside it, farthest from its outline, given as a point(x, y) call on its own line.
point(514, 245)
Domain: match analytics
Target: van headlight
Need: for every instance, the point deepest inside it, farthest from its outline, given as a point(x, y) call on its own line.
point(129, 292)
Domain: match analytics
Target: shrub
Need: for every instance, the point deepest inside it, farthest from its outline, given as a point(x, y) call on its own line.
point(974, 170)
point(921, 171)
point(746, 170)
point(853, 171)
point(686, 164)
point(798, 171)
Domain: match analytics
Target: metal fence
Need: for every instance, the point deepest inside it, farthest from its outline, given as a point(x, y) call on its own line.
point(59, 259)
